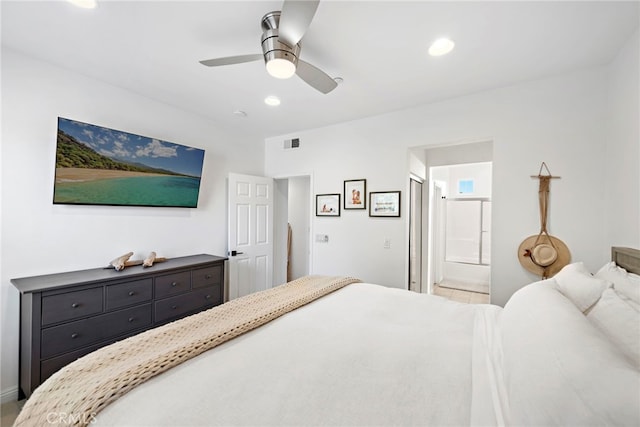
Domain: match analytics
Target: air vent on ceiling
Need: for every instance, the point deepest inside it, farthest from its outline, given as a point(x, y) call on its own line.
point(291, 143)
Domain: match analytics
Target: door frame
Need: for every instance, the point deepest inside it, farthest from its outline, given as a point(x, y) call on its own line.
point(435, 235)
point(416, 216)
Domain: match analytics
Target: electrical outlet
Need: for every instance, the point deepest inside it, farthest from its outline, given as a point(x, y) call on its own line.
point(387, 243)
point(322, 238)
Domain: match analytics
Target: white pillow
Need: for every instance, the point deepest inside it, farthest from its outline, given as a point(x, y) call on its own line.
point(559, 368)
point(619, 318)
point(624, 283)
point(579, 286)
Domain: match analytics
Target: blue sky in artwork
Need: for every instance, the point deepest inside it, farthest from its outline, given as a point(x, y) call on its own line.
point(127, 147)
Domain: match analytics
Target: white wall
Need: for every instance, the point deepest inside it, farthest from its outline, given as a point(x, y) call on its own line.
point(620, 167)
point(39, 238)
point(560, 120)
point(333, 155)
point(472, 152)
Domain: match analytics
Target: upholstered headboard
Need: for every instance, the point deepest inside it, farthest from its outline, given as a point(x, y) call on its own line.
point(627, 258)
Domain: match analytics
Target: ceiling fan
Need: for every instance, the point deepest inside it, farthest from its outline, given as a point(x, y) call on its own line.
point(282, 32)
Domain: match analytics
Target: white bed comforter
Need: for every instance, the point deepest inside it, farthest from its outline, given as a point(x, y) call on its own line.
point(363, 355)
point(367, 355)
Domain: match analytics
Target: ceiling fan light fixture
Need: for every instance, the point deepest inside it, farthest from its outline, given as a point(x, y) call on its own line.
point(281, 68)
point(441, 47)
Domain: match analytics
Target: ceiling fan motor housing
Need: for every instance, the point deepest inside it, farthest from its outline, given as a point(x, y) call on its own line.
point(272, 48)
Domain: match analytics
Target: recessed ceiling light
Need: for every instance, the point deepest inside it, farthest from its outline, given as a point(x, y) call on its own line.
point(441, 47)
point(272, 100)
point(85, 4)
point(240, 113)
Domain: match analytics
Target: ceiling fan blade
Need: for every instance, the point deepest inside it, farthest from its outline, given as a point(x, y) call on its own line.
point(231, 60)
point(295, 18)
point(315, 77)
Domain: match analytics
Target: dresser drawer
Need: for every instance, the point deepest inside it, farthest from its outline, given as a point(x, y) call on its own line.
point(51, 366)
point(71, 305)
point(125, 294)
point(209, 276)
point(172, 284)
point(74, 335)
point(180, 305)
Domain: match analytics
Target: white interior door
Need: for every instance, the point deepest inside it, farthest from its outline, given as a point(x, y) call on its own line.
point(250, 234)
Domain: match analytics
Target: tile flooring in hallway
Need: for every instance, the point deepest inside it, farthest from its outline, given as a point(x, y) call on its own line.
point(461, 296)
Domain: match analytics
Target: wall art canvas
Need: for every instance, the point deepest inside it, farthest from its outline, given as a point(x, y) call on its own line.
point(101, 166)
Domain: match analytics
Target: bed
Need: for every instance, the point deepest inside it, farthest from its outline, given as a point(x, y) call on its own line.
point(563, 351)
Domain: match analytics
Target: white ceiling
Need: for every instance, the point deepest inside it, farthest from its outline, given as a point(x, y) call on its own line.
point(379, 48)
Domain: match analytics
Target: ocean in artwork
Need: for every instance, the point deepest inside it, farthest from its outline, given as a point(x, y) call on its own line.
point(174, 191)
point(101, 166)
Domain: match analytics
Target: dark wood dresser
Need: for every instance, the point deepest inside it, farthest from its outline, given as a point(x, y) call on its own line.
point(67, 315)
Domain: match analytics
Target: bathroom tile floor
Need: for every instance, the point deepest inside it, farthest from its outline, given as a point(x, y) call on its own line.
point(461, 296)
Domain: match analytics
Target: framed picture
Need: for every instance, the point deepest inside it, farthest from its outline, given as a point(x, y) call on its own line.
point(384, 203)
point(102, 166)
point(327, 205)
point(355, 194)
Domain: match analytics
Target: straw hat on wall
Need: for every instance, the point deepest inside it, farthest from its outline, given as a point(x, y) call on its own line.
point(543, 255)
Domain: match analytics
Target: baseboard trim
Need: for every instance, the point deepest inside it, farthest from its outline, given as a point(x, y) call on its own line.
point(10, 395)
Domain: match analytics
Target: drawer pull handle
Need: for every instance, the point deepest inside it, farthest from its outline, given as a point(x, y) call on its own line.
point(74, 336)
point(208, 276)
point(174, 284)
point(75, 305)
point(173, 307)
point(132, 293)
point(131, 319)
point(207, 297)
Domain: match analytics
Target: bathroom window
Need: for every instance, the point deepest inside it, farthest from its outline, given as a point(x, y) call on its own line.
point(465, 186)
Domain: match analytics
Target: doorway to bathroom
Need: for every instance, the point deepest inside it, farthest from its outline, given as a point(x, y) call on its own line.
point(460, 224)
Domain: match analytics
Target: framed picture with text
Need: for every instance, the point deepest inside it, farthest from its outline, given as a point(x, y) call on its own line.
point(355, 194)
point(327, 204)
point(384, 203)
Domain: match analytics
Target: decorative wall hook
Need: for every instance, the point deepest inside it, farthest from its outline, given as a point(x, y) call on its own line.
point(548, 175)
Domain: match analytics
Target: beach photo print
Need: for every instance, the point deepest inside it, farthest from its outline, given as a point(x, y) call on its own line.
point(102, 166)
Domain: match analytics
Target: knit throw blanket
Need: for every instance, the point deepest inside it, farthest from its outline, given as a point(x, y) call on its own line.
point(83, 388)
